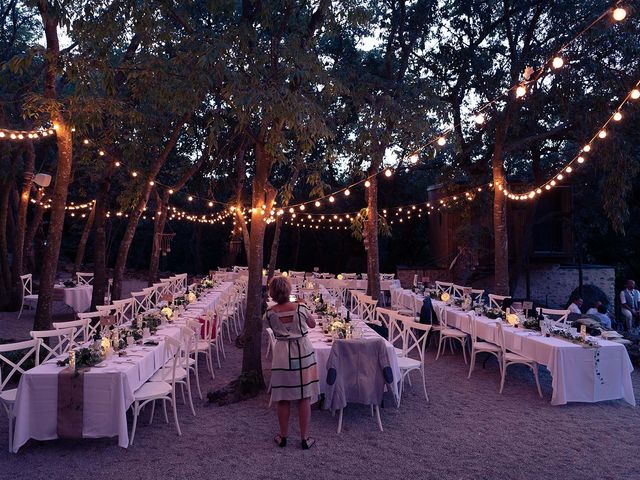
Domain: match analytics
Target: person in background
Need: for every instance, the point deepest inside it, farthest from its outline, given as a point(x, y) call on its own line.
point(601, 315)
point(630, 303)
point(594, 310)
point(575, 305)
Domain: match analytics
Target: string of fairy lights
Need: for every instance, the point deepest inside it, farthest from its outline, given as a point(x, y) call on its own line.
point(295, 214)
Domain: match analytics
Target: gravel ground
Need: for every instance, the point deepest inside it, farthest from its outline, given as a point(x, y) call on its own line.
point(467, 431)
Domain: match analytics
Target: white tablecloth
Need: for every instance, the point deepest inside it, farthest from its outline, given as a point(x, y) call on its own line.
point(78, 298)
point(323, 349)
point(108, 393)
point(355, 284)
point(572, 366)
point(210, 299)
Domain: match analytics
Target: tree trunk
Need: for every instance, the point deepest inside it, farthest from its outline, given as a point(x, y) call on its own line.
point(21, 227)
point(158, 227)
point(5, 274)
point(251, 380)
point(134, 217)
point(63, 172)
point(273, 258)
point(100, 273)
point(500, 231)
point(30, 235)
point(373, 260)
point(82, 245)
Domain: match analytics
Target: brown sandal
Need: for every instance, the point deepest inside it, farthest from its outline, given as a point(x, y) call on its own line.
point(280, 440)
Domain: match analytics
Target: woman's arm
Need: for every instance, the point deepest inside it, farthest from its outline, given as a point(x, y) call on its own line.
point(311, 320)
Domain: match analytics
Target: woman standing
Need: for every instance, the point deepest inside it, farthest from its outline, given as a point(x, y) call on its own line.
point(294, 374)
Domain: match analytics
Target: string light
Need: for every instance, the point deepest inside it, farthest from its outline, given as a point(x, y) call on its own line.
point(617, 116)
point(521, 91)
point(557, 62)
point(479, 119)
point(619, 14)
point(388, 172)
point(367, 184)
point(442, 141)
point(635, 94)
point(413, 158)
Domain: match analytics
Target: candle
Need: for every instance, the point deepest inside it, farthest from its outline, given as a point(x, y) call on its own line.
point(583, 331)
point(72, 359)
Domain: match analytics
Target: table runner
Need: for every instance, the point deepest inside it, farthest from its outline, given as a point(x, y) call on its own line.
point(70, 403)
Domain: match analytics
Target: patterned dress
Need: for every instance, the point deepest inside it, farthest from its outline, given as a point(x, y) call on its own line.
point(294, 373)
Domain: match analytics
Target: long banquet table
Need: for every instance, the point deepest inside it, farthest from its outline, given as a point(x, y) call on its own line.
point(108, 389)
point(575, 377)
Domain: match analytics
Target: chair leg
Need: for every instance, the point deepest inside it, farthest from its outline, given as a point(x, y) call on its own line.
point(175, 412)
point(463, 342)
point(21, 307)
point(153, 409)
point(10, 434)
point(424, 385)
point(378, 418)
point(472, 361)
point(340, 421)
point(164, 407)
point(534, 367)
point(136, 412)
point(439, 346)
point(218, 355)
point(504, 374)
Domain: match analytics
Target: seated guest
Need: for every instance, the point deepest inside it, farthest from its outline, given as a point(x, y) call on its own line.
point(594, 310)
point(601, 316)
point(575, 305)
point(630, 303)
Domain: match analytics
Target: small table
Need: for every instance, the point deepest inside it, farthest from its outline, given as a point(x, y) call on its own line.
point(78, 298)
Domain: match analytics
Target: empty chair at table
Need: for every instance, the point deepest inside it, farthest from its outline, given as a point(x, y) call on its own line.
point(450, 335)
point(496, 301)
point(414, 341)
point(558, 316)
point(81, 330)
point(84, 278)
point(54, 343)
point(29, 299)
point(163, 390)
point(444, 287)
point(511, 358)
point(357, 372)
point(15, 359)
point(481, 346)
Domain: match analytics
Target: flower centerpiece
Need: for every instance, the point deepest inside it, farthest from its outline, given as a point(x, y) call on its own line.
point(207, 283)
point(445, 297)
point(151, 321)
point(191, 297)
point(83, 358)
point(167, 312)
point(69, 284)
point(494, 313)
point(339, 328)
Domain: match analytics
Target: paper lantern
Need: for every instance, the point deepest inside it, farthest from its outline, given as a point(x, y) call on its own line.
point(42, 180)
point(340, 276)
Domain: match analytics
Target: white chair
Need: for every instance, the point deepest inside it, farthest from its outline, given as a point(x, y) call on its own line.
point(476, 295)
point(414, 340)
point(81, 330)
point(190, 362)
point(84, 278)
point(457, 291)
point(452, 335)
point(383, 316)
point(28, 298)
point(495, 301)
point(481, 346)
point(180, 374)
point(271, 341)
point(140, 302)
point(558, 316)
point(368, 309)
point(160, 390)
point(124, 310)
point(93, 320)
point(510, 358)
point(396, 332)
point(14, 356)
point(60, 342)
point(444, 287)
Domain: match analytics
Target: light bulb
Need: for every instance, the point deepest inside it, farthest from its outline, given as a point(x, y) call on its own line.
point(332, 199)
point(152, 183)
point(557, 62)
point(442, 141)
point(619, 14)
point(580, 159)
point(117, 164)
point(388, 172)
point(602, 134)
point(317, 204)
point(560, 177)
point(569, 169)
point(347, 192)
point(302, 207)
point(635, 94)
point(367, 184)
point(211, 204)
point(617, 116)
point(171, 191)
point(134, 174)
point(413, 158)
point(586, 148)
point(190, 198)
point(479, 119)
point(521, 91)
